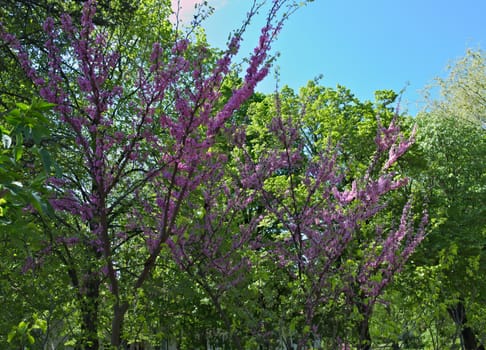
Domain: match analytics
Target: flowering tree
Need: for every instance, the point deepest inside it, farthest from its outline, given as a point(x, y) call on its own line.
point(140, 146)
point(329, 235)
point(148, 166)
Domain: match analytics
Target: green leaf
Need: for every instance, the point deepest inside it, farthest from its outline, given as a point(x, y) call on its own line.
point(18, 152)
point(22, 106)
point(39, 323)
point(4, 130)
point(46, 160)
point(13, 117)
point(18, 149)
point(42, 105)
point(22, 327)
point(11, 335)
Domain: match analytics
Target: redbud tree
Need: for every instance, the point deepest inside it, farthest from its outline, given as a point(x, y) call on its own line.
point(330, 232)
point(144, 171)
point(139, 144)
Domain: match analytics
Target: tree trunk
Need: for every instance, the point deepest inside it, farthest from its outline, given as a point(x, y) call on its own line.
point(469, 340)
point(89, 296)
point(364, 328)
point(364, 335)
point(119, 311)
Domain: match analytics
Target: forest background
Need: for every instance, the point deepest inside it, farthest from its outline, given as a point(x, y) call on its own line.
point(151, 198)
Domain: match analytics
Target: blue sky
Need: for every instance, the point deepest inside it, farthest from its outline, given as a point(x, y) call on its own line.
point(364, 45)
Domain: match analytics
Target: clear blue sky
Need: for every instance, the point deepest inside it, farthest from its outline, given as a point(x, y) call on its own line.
point(364, 45)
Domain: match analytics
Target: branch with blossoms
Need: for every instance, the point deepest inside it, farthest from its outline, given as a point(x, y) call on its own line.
point(214, 255)
point(320, 215)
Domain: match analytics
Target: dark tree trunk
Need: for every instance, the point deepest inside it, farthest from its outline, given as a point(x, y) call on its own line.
point(364, 328)
point(469, 340)
point(364, 335)
point(89, 296)
point(119, 311)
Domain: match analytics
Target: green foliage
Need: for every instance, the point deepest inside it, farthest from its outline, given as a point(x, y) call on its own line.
point(448, 170)
point(24, 130)
point(463, 91)
point(454, 183)
point(23, 335)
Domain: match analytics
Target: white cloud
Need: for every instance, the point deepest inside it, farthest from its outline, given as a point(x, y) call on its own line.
point(186, 10)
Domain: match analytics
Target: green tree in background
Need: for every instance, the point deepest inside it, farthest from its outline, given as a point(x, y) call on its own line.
point(453, 145)
point(463, 91)
point(439, 301)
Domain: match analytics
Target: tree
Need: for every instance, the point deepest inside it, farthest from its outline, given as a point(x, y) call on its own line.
point(138, 150)
point(463, 91)
point(324, 206)
point(453, 145)
point(446, 166)
point(23, 131)
point(24, 163)
point(453, 149)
